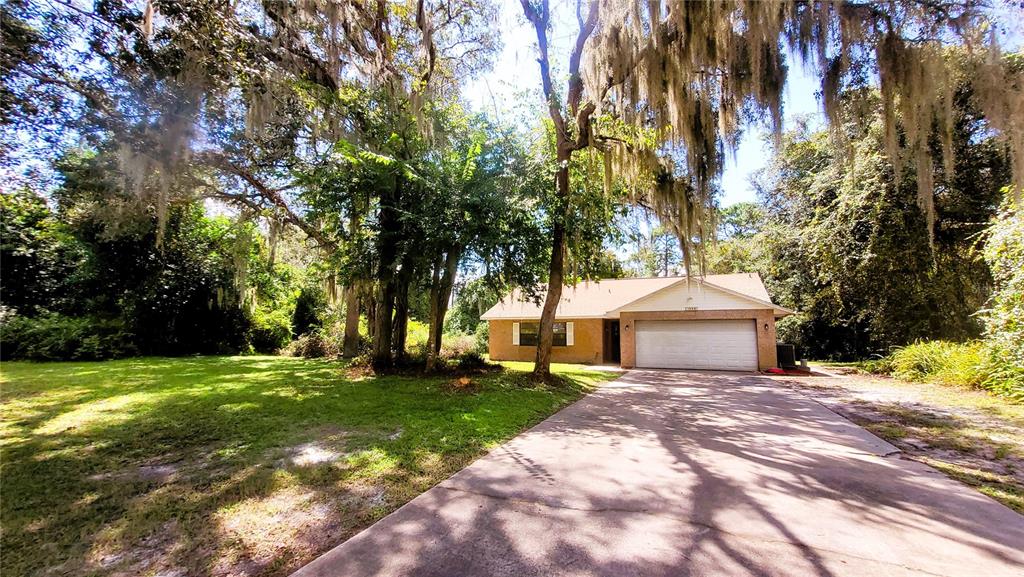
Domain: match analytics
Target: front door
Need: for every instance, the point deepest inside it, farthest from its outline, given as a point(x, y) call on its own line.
point(612, 350)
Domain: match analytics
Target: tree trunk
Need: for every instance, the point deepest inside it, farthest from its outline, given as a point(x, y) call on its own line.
point(451, 270)
point(401, 321)
point(435, 290)
point(440, 294)
point(350, 345)
point(382, 324)
point(387, 273)
point(370, 298)
point(542, 364)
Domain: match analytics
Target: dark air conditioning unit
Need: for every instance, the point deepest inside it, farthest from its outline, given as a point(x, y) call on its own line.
point(786, 355)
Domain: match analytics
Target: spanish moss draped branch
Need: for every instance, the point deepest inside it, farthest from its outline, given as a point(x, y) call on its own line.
point(690, 70)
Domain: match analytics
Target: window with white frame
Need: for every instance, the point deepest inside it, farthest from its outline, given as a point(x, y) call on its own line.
point(529, 333)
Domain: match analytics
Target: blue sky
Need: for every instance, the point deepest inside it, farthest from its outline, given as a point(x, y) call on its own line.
point(512, 90)
point(753, 152)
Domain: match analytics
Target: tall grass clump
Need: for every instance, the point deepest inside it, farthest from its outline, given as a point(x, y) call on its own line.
point(940, 361)
point(971, 364)
point(1004, 379)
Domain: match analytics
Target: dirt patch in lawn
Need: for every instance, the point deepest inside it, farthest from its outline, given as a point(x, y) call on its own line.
point(969, 435)
point(158, 474)
point(271, 516)
point(280, 529)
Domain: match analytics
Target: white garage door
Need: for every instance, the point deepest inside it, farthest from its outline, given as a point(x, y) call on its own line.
point(725, 345)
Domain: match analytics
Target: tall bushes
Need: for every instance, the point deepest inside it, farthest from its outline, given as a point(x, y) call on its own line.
point(845, 242)
point(974, 364)
point(96, 277)
point(55, 337)
point(1004, 315)
point(995, 363)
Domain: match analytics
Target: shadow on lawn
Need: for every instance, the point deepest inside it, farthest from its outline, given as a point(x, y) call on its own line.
point(969, 435)
point(684, 495)
point(978, 454)
point(224, 465)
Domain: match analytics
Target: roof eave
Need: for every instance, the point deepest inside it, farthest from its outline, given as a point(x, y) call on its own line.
point(617, 310)
point(484, 317)
point(783, 312)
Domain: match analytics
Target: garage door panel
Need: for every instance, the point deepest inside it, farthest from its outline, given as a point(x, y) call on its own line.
point(708, 344)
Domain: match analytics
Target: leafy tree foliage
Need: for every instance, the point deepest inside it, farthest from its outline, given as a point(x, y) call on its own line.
point(845, 243)
point(655, 252)
point(408, 216)
point(116, 286)
point(1004, 313)
point(740, 221)
point(309, 307)
point(38, 258)
point(606, 264)
point(472, 300)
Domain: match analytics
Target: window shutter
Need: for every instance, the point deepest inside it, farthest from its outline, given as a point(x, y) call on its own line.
point(515, 333)
point(569, 334)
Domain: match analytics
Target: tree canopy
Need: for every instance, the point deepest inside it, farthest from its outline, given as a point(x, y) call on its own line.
point(844, 242)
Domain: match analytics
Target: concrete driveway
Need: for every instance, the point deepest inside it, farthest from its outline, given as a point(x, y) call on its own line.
point(683, 473)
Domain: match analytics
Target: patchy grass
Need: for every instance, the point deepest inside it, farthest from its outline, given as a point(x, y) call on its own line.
point(231, 465)
point(970, 435)
point(1003, 488)
point(919, 427)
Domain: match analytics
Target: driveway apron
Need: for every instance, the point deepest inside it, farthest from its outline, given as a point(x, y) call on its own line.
point(691, 474)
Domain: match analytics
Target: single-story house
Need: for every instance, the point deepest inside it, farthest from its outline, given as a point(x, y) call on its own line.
point(724, 322)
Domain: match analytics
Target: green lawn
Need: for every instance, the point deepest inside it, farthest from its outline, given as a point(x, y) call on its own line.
point(231, 465)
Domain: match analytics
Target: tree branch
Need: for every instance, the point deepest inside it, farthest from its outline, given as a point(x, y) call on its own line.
point(540, 20)
point(269, 194)
point(424, 24)
point(316, 70)
point(583, 123)
point(575, 94)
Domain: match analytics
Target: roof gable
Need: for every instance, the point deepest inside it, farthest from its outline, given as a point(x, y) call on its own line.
point(694, 294)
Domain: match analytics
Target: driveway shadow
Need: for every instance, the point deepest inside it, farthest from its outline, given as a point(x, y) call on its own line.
point(671, 473)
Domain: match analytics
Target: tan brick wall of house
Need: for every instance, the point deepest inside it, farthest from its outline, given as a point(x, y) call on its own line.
point(766, 356)
point(587, 348)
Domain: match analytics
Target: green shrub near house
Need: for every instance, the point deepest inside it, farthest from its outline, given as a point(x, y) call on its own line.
point(483, 336)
